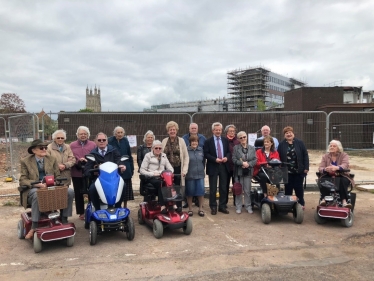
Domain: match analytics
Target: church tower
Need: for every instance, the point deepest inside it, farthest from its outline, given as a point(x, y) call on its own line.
point(93, 100)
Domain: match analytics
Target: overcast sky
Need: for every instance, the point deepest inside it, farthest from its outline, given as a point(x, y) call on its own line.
point(150, 52)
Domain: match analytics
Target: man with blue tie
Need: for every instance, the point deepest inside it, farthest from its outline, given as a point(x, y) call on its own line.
point(216, 151)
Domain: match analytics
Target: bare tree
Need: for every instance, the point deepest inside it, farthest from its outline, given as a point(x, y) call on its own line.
point(11, 103)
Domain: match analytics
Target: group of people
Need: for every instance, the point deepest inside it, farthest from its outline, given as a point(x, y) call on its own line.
point(226, 157)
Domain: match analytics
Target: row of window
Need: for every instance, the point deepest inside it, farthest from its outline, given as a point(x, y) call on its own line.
point(278, 81)
point(275, 88)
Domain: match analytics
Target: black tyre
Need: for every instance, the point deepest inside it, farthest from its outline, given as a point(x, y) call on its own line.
point(298, 214)
point(187, 229)
point(319, 219)
point(140, 217)
point(37, 243)
point(86, 224)
point(348, 222)
point(130, 234)
point(158, 229)
point(353, 200)
point(265, 213)
point(93, 233)
point(21, 230)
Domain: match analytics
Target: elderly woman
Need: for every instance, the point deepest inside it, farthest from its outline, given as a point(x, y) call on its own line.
point(154, 163)
point(146, 147)
point(265, 154)
point(176, 151)
point(33, 168)
point(80, 148)
point(121, 143)
point(244, 159)
point(230, 132)
point(196, 175)
point(62, 152)
point(293, 151)
point(334, 160)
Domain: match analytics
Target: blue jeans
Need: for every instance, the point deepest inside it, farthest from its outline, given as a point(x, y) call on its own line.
point(195, 187)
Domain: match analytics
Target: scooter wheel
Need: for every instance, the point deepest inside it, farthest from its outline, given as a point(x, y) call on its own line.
point(70, 241)
point(319, 219)
point(37, 243)
point(348, 222)
point(21, 230)
point(298, 214)
point(130, 234)
point(93, 233)
point(265, 213)
point(187, 229)
point(158, 229)
point(140, 217)
point(86, 224)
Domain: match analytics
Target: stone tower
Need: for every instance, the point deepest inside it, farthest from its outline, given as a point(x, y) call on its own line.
point(93, 100)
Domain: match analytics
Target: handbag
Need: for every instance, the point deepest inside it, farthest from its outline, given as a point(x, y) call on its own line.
point(237, 188)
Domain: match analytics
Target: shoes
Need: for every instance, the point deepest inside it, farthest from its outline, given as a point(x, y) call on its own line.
point(323, 202)
point(238, 211)
point(190, 213)
point(185, 206)
point(347, 205)
point(164, 211)
point(201, 213)
point(64, 220)
point(30, 235)
point(81, 217)
point(179, 210)
point(225, 211)
point(213, 212)
point(250, 211)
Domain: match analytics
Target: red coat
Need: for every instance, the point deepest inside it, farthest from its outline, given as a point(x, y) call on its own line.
point(261, 158)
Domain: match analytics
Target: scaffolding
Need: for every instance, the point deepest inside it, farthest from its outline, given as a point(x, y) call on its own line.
point(248, 87)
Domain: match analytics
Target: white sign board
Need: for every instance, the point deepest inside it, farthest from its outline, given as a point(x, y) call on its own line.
point(252, 138)
point(132, 140)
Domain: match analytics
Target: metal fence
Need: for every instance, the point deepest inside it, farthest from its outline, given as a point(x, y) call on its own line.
point(315, 128)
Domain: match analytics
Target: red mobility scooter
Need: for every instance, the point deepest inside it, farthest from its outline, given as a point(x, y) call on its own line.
point(333, 207)
point(50, 227)
point(150, 210)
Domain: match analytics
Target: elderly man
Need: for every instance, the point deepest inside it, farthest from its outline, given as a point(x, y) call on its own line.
point(33, 169)
point(216, 151)
point(265, 131)
point(80, 148)
point(193, 131)
point(102, 153)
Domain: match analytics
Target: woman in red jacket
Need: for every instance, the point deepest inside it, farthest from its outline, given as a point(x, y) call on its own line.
point(265, 154)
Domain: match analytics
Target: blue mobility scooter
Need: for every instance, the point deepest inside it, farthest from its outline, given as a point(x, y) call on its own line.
point(109, 186)
point(276, 201)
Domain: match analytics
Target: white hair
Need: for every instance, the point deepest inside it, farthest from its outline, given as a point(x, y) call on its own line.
point(149, 132)
point(61, 131)
point(338, 144)
point(216, 124)
point(156, 142)
point(84, 128)
point(117, 128)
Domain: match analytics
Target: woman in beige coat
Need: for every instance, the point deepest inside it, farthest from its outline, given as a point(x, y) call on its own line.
point(63, 154)
point(176, 151)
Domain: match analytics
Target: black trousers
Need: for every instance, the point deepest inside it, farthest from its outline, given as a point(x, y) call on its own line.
point(263, 180)
point(156, 182)
point(79, 199)
point(177, 181)
point(295, 182)
point(222, 175)
point(230, 178)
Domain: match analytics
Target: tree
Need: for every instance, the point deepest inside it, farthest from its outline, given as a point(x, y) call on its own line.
point(11, 103)
point(85, 110)
point(261, 105)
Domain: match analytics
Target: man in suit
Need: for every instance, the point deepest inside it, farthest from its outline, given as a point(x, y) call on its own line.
point(33, 168)
point(102, 153)
point(216, 151)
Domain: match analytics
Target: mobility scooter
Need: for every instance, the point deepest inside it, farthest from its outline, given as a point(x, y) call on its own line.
point(109, 186)
point(50, 227)
point(150, 210)
point(333, 207)
point(276, 201)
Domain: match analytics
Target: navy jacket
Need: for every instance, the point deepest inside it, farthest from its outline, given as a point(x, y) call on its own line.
point(123, 146)
point(210, 154)
point(301, 153)
point(111, 155)
point(201, 137)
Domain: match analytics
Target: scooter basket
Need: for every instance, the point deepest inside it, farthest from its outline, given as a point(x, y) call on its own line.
point(53, 198)
point(172, 193)
point(277, 175)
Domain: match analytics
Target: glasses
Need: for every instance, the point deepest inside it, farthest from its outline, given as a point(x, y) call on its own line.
point(158, 148)
point(101, 140)
point(42, 148)
point(244, 137)
point(60, 138)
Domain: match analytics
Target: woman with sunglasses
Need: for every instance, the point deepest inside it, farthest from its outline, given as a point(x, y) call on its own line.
point(63, 153)
point(33, 169)
point(265, 154)
point(244, 159)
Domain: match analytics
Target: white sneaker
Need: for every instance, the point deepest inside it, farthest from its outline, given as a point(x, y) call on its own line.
point(238, 211)
point(250, 211)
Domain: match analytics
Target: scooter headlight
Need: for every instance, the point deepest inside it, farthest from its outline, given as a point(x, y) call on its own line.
point(182, 216)
point(121, 213)
point(53, 215)
point(166, 218)
point(102, 215)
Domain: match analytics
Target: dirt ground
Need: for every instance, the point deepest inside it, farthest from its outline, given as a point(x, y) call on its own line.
point(221, 247)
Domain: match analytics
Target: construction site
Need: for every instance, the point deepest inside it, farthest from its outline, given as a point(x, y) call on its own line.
point(258, 88)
